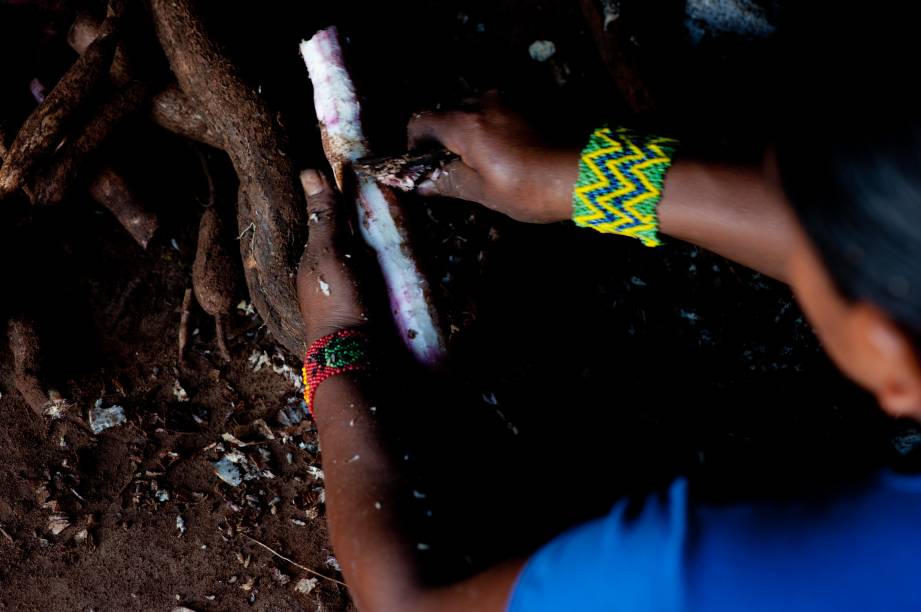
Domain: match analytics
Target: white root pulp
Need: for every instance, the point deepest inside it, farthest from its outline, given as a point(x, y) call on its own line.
point(339, 114)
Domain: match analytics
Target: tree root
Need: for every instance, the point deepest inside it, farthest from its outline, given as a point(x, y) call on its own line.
point(256, 146)
point(171, 109)
point(185, 317)
point(4, 154)
point(42, 131)
point(54, 181)
point(111, 191)
point(27, 368)
point(214, 272)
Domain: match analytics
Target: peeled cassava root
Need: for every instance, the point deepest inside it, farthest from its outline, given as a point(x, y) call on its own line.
point(379, 212)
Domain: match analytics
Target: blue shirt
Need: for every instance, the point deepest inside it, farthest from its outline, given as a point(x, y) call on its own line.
point(859, 551)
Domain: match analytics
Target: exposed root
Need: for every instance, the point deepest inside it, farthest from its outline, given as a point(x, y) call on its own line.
point(4, 154)
point(171, 109)
point(28, 377)
point(53, 183)
point(256, 146)
point(220, 336)
point(110, 190)
point(247, 238)
point(42, 131)
point(82, 33)
point(214, 271)
point(184, 322)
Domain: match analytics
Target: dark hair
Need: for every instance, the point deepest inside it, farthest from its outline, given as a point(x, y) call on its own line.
point(850, 152)
point(858, 196)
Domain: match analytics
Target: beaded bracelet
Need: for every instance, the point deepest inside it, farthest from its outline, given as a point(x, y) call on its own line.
point(340, 352)
point(621, 174)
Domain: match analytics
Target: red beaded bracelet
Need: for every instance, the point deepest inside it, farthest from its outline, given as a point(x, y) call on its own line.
point(340, 352)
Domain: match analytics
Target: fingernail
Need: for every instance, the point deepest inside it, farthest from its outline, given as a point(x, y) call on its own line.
point(312, 182)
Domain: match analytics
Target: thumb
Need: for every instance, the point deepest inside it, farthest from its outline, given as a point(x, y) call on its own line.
point(322, 214)
point(455, 180)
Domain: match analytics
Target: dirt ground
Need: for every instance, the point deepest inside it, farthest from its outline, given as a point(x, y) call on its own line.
point(586, 368)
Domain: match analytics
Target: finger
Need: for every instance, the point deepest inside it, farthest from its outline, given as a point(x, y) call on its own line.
point(323, 272)
point(456, 180)
point(445, 128)
point(322, 213)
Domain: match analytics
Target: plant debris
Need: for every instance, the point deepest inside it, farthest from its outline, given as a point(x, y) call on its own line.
point(405, 172)
point(305, 585)
point(235, 467)
point(58, 522)
point(102, 417)
point(542, 50)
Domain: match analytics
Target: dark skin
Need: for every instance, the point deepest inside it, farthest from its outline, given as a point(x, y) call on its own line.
point(364, 485)
point(738, 212)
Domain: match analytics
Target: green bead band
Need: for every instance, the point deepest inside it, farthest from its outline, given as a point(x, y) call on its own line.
point(621, 175)
point(340, 352)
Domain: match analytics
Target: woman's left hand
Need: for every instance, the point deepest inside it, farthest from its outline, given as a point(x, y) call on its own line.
point(327, 289)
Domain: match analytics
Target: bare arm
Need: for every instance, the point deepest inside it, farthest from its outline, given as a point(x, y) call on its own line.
point(365, 489)
point(735, 211)
point(738, 212)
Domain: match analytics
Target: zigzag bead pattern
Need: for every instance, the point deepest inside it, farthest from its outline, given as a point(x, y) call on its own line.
point(621, 174)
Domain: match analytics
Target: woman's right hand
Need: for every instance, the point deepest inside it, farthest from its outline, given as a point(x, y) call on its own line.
point(503, 164)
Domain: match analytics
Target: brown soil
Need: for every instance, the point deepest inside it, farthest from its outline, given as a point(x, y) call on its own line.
point(585, 367)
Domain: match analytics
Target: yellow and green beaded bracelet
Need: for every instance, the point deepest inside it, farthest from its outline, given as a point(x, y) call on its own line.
point(621, 177)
